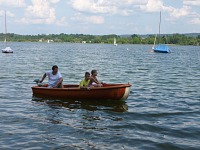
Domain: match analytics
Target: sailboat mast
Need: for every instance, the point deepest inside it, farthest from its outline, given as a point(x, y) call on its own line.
point(5, 31)
point(154, 44)
point(159, 29)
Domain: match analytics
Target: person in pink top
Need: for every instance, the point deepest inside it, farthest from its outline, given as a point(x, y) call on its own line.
point(94, 81)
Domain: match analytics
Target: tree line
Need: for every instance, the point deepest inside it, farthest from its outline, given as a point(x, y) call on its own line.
point(179, 39)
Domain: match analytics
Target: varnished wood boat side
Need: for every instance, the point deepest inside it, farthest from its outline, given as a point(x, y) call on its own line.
point(111, 91)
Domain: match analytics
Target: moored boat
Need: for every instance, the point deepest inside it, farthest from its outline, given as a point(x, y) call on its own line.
point(6, 49)
point(72, 91)
point(115, 42)
point(160, 48)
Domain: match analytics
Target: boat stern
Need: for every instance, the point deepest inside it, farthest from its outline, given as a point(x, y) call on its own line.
point(126, 93)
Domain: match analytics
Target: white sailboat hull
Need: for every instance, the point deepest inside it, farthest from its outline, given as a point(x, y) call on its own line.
point(7, 50)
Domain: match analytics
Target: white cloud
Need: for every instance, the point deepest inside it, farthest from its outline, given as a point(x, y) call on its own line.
point(62, 22)
point(88, 19)
point(8, 13)
point(195, 21)
point(54, 1)
point(2, 13)
point(132, 1)
point(191, 2)
point(129, 7)
point(177, 13)
point(98, 6)
point(152, 6)
point(108, 7)
point(40, 12)
point(92, 12)
point(120, 7)
point(95, 19)
point(127, 12)
point(194, 15)
point(13, 3)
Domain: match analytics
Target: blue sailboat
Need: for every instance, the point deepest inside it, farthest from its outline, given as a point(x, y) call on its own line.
point(161, 48)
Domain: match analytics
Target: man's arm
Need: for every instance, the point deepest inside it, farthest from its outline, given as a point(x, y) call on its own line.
point(44, 76)
point(58, 82)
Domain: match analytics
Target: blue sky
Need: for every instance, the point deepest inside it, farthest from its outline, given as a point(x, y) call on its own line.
point(100, 17)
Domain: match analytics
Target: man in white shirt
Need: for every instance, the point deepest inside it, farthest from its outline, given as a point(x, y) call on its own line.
point(55, 78)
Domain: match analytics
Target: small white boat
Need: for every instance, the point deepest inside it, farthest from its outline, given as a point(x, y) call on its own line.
point(115, 42)
point(6, 49)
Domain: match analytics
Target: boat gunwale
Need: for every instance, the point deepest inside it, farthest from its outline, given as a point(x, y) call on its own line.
point(113, 86)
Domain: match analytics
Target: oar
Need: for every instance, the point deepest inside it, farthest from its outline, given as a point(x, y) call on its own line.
point(37, 81)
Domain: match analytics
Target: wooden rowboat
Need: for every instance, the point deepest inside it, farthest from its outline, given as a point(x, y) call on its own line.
point(107, 92)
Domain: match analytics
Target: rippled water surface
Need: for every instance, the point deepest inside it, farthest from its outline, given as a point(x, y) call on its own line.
point(161, 112)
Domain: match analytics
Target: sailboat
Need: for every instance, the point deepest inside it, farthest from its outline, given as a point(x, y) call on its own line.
point(7, 49)
point(161, 48)
point(115, 42)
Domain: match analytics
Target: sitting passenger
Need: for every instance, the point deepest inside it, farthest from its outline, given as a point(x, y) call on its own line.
point(86, 81)
point(93, 79)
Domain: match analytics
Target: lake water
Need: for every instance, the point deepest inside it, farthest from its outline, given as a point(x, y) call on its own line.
point(161, 112)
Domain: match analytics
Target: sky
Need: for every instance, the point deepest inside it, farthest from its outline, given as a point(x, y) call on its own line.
point(99, 17)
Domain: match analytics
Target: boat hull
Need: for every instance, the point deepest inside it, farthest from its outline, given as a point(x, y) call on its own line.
point(7, 50)
point(161, 48)
point(107, 92)
point(159, 51)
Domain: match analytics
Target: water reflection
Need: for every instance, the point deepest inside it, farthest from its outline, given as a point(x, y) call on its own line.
point(91, 105)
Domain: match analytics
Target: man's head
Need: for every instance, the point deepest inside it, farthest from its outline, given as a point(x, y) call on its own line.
point(55, 69)
point(87, 76)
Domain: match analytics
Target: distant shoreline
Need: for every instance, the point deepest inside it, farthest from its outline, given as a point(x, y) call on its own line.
point(170, 39)
point(92, 43)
